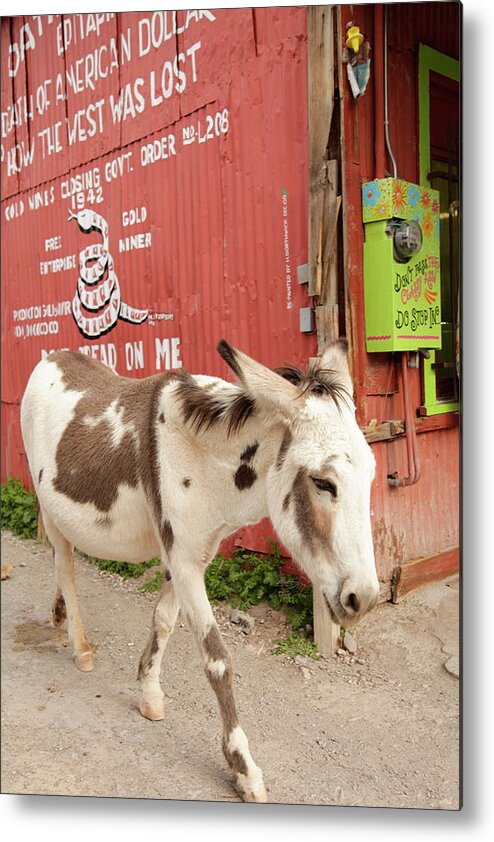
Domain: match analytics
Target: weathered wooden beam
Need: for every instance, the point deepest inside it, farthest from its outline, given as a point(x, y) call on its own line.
point(385, 431)
point(422, 571)
point(326, 325)
point(328, 289)
point(321, 101)
point(322, 175)
point(346, 227)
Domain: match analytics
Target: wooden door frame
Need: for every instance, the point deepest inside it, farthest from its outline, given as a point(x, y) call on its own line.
point(431, 60)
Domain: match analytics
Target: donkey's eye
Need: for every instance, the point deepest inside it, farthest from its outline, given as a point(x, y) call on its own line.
point(325, 485)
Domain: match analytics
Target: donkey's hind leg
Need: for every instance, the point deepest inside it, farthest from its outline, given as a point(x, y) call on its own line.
point(65, 603)
point(165, 614)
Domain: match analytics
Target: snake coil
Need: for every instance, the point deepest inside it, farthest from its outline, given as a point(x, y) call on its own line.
point(98, 290)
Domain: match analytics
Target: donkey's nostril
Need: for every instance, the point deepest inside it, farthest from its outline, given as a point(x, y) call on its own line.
point(353, 602)
point(356, 599)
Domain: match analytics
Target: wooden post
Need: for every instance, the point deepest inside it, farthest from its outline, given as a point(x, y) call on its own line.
point(324, 205)
point(321, 90)
point(326, 633)
point(326, 324)
point(329, 256)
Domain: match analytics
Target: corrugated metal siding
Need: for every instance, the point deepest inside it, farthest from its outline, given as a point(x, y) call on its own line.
point(215, 215)
point(422, 519)
point(216, 263)
point(434, 24)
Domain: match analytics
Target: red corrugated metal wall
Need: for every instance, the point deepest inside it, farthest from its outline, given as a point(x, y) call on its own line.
point(186, 133)
point(423, 519)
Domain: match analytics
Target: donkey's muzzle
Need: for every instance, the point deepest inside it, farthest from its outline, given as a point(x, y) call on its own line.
point(355, 600)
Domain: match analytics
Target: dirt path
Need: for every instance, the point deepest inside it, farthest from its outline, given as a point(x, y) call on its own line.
point(376, 729)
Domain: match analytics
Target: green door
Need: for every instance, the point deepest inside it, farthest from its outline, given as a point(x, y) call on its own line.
point(439, 114)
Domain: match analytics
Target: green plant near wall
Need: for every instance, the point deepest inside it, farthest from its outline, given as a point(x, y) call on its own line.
point(246, 579)
point(19, 509)
point(294, 645)
point(154, 584)
point(124, 569)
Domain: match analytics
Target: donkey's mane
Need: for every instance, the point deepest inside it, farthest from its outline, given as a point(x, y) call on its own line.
point(202, 409)
point(316, 381)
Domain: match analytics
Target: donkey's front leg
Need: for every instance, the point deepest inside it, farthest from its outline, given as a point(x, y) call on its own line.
point(165, 614)
point(193, 600)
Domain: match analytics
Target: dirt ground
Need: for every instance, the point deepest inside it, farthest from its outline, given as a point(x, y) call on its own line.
point(377, 728)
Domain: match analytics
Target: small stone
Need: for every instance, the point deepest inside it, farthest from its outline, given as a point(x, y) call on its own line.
point(452, 665)
point(340, 652)
point(350, 643)
point(303, 661)
point(257, 649)
point(240, 618)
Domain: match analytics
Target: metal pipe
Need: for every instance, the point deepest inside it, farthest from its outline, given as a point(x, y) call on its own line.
point(411, 436)
point(386, 116)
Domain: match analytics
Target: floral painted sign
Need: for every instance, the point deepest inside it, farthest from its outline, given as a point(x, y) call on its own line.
point(386, 198)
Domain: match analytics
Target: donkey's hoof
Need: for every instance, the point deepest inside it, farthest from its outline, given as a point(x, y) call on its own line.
point(84, 660)
point(153, 711)
point(252, 788)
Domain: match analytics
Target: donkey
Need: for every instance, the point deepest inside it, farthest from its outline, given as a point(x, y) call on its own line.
point(171, 464)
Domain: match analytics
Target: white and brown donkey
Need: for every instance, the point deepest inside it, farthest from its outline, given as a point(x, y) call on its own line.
point(171, 464)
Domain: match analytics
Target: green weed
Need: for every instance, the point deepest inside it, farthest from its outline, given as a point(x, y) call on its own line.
point(19, 509)
point(153, 584)
point(294, 645)
point(246, 579)
point(124, 569)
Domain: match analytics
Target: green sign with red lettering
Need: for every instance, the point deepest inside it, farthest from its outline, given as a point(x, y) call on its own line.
point(402, 285)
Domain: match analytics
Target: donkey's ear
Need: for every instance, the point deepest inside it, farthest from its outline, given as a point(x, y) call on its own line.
point(263, 384)
point(335, 358)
